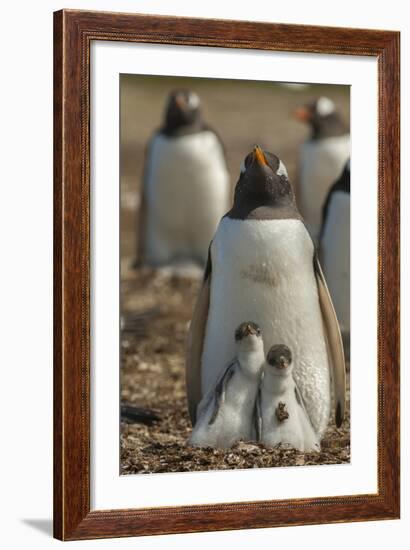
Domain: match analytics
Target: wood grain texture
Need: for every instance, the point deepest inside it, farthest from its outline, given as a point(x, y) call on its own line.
point(57, 302)
point(73, 32)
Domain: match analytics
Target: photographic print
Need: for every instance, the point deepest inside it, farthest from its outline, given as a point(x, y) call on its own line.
point(201, 275)
point(235, 274)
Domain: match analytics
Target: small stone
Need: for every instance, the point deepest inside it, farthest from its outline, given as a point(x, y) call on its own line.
point(281, 412)
point(246, 447)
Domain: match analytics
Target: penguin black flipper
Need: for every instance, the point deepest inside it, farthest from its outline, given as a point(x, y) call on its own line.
point(334, 343)
point(257, 418)
point(196, 337)
point(220, 390)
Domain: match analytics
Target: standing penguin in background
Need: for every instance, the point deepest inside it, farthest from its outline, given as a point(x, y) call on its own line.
point(335, 248)
point(226, 412)
point(262, 265)
point(321, 158)
point(281, 416)
point(185, 188)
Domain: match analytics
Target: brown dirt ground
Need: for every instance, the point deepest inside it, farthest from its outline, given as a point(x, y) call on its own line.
point(153, 376)
point(159, 304)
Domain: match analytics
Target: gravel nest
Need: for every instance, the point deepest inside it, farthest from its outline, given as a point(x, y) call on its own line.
point(156, 308)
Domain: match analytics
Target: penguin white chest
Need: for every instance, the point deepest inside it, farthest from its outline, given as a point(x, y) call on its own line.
point(283, 419)
point(335, 252)
point(187, 190)
point(233, 418)
point(262, 270)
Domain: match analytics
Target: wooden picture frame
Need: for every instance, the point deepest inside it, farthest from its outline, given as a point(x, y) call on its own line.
point(74, 32)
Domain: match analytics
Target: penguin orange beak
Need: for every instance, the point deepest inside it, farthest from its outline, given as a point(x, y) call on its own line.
point(259, 156)
point(302, 114)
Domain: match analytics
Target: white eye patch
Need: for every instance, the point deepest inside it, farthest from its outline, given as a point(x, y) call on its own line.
point(325, 106)
point(193, 100)
point(281, 171)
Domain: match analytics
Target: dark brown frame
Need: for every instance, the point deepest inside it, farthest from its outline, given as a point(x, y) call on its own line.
point(73, 33)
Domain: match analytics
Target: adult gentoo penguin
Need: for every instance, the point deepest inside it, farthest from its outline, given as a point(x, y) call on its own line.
point(281, 416)
point(226, 412)
point(335, 247)
point(185, 187)
point(321, 158)
point(262, 265)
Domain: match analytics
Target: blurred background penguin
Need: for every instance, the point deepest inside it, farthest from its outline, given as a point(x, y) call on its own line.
point(185, 188)
point(321, 158)
point(334, 249)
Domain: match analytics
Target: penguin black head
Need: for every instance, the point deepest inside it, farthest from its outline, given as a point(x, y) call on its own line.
point(279, 356)
point(322, 117)
point(247, 329)
point(263, 182)
point(183, 110)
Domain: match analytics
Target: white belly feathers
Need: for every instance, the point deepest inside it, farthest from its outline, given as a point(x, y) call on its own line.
point(187, 190)
point(262, 271)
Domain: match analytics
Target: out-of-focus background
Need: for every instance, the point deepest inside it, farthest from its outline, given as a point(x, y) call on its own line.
point(157, 304)
point(241, 112)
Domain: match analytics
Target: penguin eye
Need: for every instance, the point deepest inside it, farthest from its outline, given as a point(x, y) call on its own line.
point(258, 331)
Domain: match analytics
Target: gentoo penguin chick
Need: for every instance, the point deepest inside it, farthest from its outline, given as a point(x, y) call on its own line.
point(185, 187)
point(225, 414)
point(280, 413)
point(321, 158)
point(335, 248)
point(262, 265)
